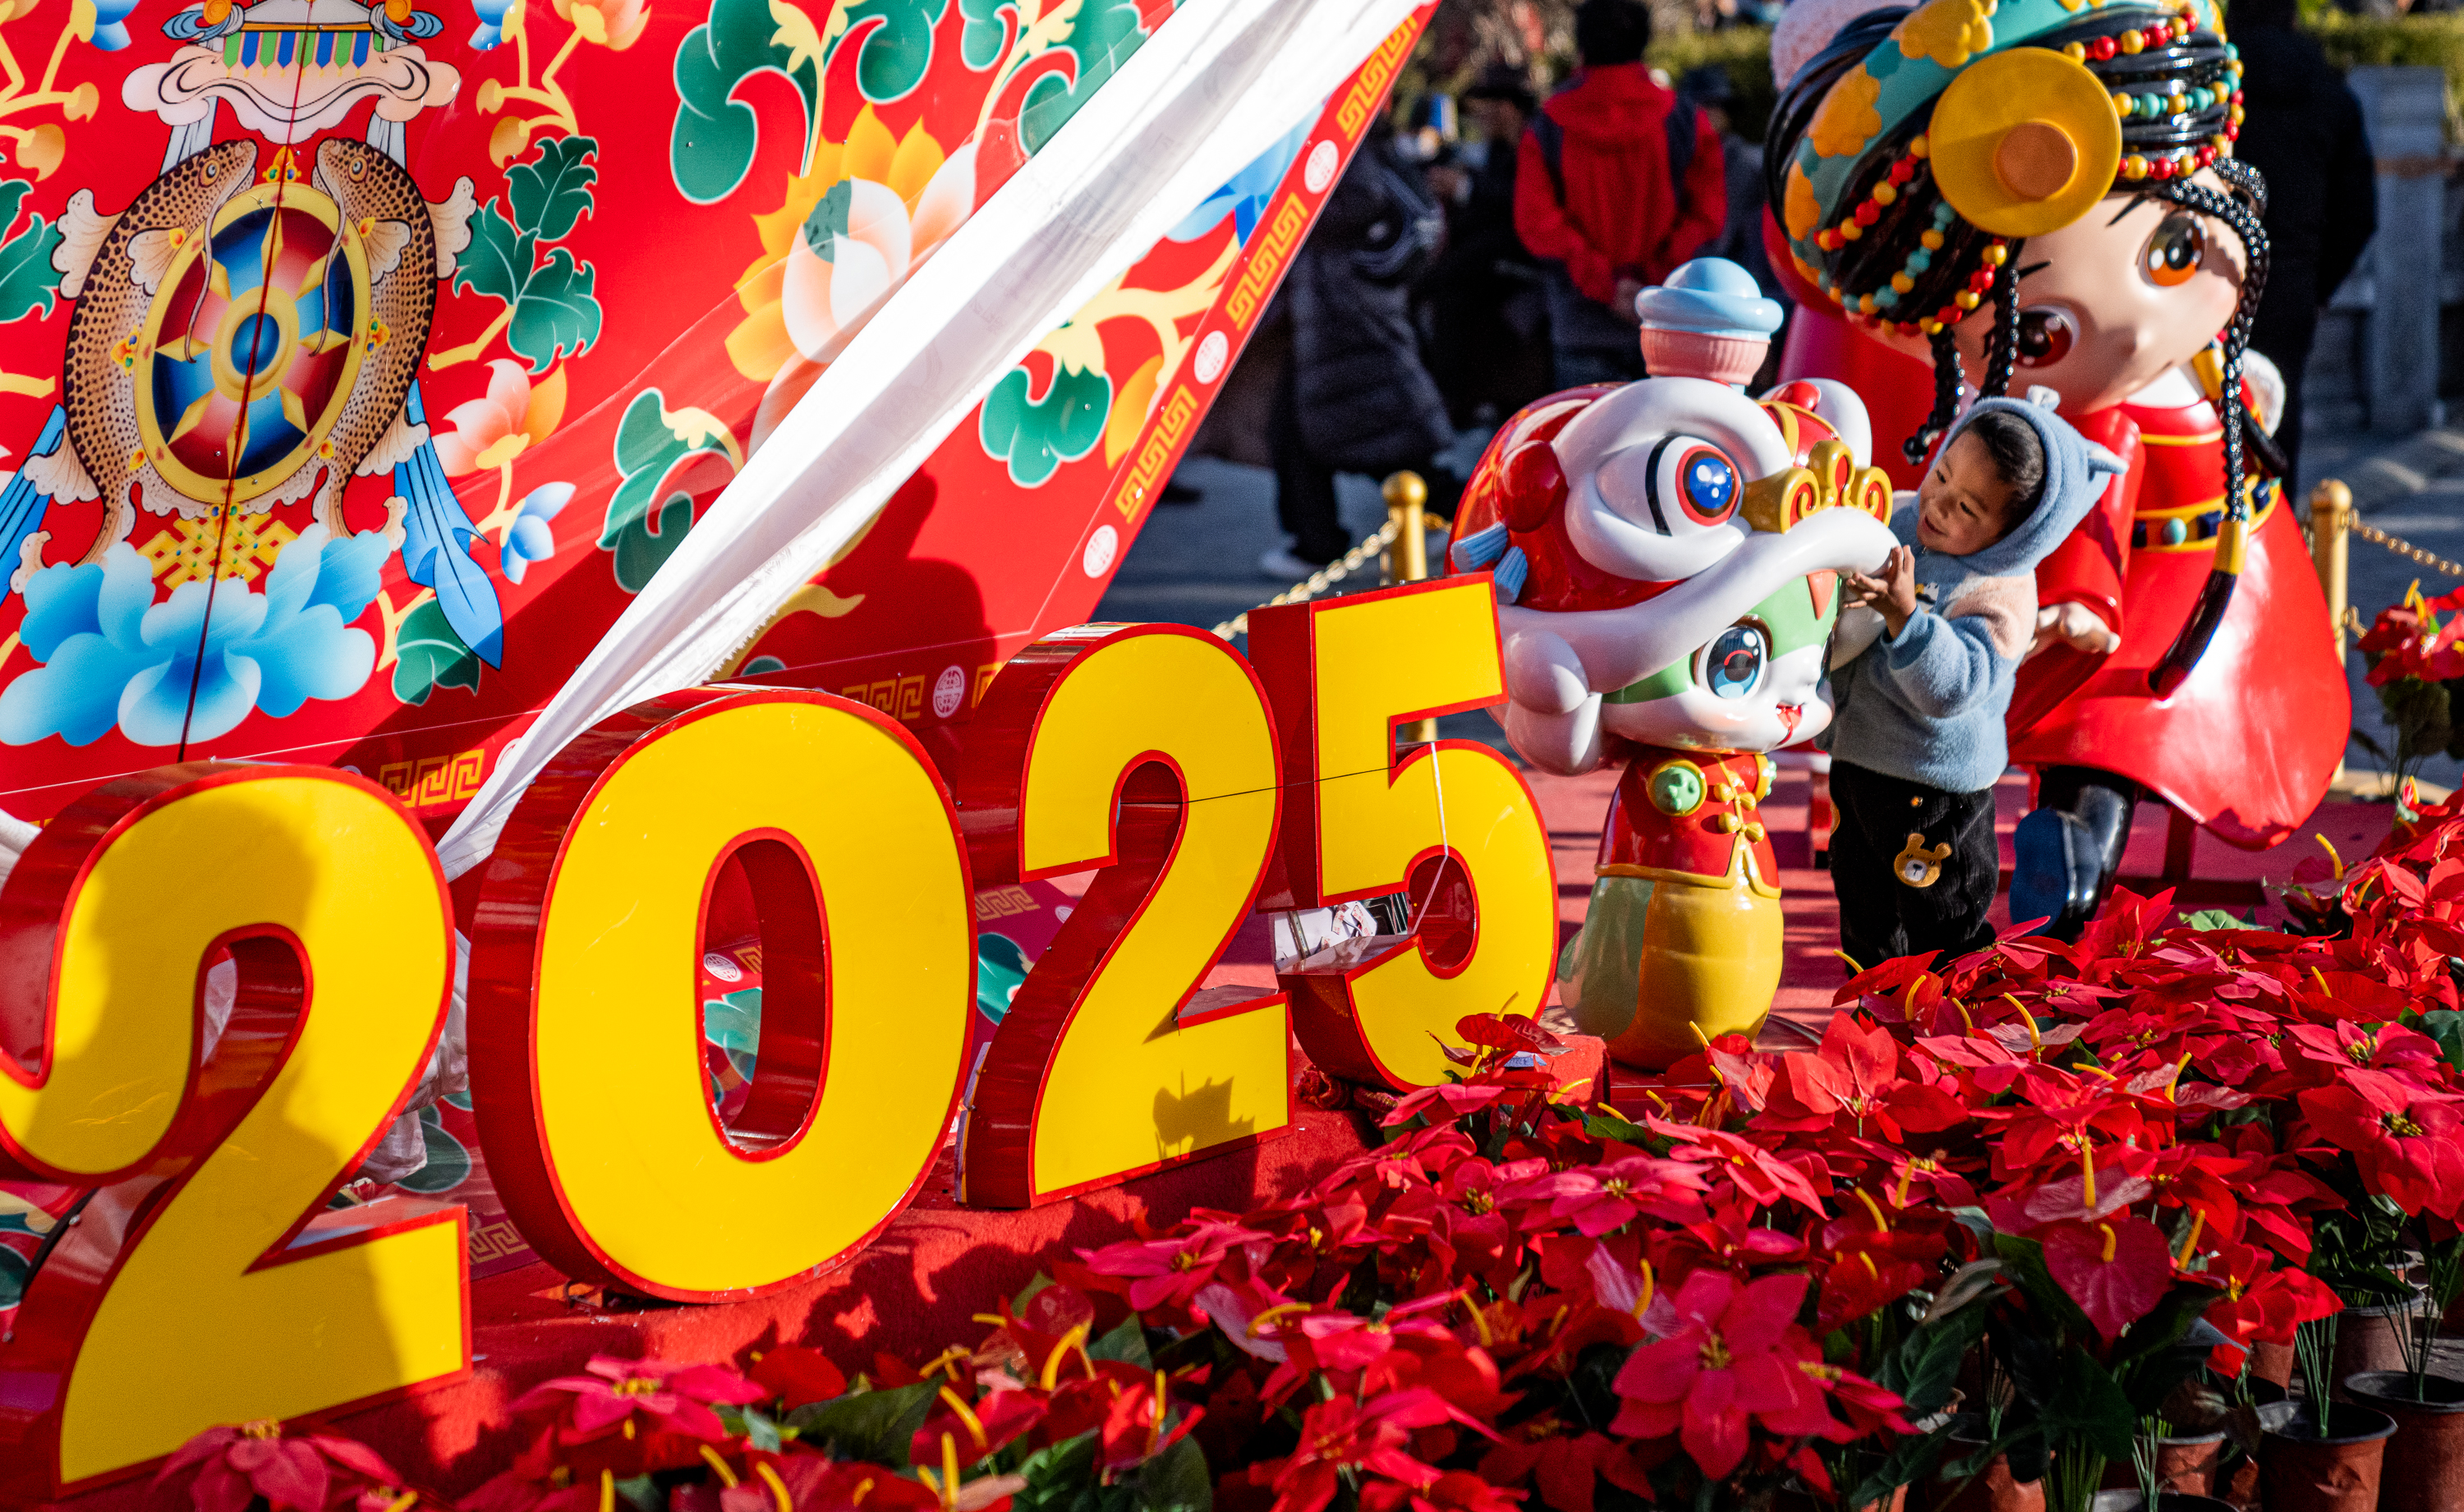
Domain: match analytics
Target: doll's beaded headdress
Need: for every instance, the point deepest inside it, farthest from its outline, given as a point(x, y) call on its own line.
point(1912, 157)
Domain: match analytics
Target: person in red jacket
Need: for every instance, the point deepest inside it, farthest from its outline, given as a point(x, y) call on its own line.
point(1617, 182)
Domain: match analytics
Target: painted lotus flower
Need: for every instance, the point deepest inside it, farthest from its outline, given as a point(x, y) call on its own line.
point(528, 540)
point(851, 229)
point(510, 418)
point(115, 657)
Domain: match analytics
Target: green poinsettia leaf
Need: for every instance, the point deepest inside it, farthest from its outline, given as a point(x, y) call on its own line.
point(867, 1424)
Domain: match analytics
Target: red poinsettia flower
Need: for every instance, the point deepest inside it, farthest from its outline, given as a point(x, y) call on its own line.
point(1730, 1362)
point(640, 1396)
point(1857, 1080)
point(226, 1468)
point(2263, 1303)
point(812, 1482)
point(1370, 1437)
point(2117, 1269)
point(1169, 1271)
point(1565, 1463)
point(1453, 1491)
point(2405, 1138)
point(1598, 1198)
point(795, 1374)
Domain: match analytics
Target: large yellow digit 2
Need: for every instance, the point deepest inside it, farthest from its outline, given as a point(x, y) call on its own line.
point(1146, 749)
point(205, 1282)
point(585, 1039)
point(1453, 825)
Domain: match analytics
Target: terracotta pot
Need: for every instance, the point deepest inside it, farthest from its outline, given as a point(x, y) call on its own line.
point(2272, 1362)
point(2186, 1466)
point(2302, 1468)
point(2451, 1324)
point(2131, 1500)
point(2424, 1471)
point(1991, 1491)
point(2367, 1340)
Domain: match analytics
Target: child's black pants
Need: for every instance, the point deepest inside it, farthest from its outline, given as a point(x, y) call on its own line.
point(1888, 908)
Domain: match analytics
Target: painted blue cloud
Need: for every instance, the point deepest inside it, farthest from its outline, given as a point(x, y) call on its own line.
point(530, 540)
point(1243, 197)
point(112, 656)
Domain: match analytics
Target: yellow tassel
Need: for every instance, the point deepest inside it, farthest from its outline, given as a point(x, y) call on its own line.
point(607, 1489)
point(966, 1415)
point(949, 1474)
point(2191, 1240)
point(1642, 1304)
point(2110, 1240)
point(1074, 1339)
point(1852, 962)
point(2334, 860)
point(1882, 1225)
point(779, 1487)
point(726, 1477)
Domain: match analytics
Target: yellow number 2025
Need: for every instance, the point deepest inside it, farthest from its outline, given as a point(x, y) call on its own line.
point(205, 1281)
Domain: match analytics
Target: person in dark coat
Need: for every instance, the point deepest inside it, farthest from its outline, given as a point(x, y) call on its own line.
point(2305, 133)
point(1354, 397)
point(1490, 340)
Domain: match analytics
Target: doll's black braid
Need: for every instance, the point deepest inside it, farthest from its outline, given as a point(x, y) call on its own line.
point(1947, 381)
point(2236, 210)
point(2001, 361)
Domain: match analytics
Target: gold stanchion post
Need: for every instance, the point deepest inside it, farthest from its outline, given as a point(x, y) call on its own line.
point(1407, 559)
point(2331, 524)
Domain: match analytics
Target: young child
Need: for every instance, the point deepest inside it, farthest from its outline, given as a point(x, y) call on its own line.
point(1922, 670)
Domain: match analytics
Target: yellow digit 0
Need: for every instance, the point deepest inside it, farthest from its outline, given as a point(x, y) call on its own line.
point(205, 1279)
point(1452, 824)
point(585, 1063)
point(1146, 749)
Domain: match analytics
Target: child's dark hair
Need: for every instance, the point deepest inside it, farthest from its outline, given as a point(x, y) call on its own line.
point(2017, 454)
point(1611, 32)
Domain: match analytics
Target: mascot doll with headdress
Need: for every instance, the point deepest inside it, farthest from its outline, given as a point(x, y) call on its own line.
point(1665, 556)
point(2044, 193)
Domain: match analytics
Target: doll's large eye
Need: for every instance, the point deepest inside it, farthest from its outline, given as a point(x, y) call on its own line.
point(2174, 251)
point(1733, 665)
point(1694, 476)
point(2045, 337)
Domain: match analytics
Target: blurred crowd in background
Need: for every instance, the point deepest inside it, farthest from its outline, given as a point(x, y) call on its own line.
point(1546, 159)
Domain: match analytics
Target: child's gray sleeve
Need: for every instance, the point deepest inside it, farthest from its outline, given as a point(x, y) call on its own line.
point(1941, 667)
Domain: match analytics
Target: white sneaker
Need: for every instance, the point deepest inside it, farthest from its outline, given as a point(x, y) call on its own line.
point(1283, 566)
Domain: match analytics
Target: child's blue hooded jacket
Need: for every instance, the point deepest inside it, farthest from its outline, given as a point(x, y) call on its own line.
point(1926, 704)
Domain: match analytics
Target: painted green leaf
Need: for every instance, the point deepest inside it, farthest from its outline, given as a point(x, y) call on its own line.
point(1037, 435)
point(28, 280)
point(641, 550)
point(715, 135)
point(981, 39)
point(647, 451)
point(1106, 34)
point(829, 220)
point(497, 262)
point(556, 311)
point(894, 40)
point(550, 194)
point(428, 655)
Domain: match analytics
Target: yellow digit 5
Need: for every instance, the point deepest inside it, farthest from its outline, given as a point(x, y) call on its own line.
point(1148, 751)
point(1453, 825)
point(585, 1063)
point(205, 1279)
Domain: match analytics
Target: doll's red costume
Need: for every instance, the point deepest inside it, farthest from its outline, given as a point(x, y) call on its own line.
point(2248, 743)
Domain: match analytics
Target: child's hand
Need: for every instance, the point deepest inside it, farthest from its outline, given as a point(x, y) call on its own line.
point(1893, 592)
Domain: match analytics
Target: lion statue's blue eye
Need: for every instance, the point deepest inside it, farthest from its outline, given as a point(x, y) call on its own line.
point(1709, 485)
point(1733, 665)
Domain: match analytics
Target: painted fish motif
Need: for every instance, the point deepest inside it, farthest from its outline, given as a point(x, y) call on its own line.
point(112, 265)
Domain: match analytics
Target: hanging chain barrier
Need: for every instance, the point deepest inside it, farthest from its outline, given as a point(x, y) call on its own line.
point(1407, 522)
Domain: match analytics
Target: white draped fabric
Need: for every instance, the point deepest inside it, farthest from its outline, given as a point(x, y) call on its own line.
point(1214, 86)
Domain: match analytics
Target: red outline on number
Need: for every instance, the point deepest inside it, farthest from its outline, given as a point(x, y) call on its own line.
point(60, 1302)
point(521, 877)
point(764, 1095)
point(1282, 641)
point(1005, 1094)
point(1282, 647)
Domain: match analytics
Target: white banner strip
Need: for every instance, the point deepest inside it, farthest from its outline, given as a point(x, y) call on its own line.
point(1218, 83)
